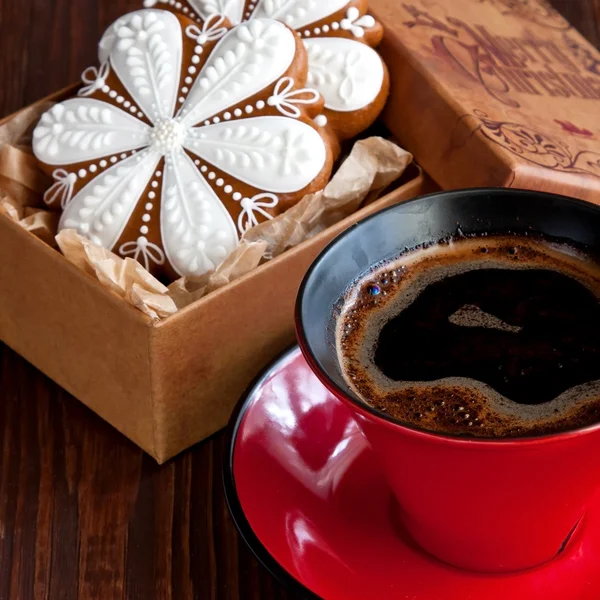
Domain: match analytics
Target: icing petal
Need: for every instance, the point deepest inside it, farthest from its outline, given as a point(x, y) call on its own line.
point(348, 74)
point(146, 55)
point(102, 208)
point(298, 13)
point(275, 154)
point(246, 60)
point(83, 129)
point(232, 9)
point(108, 39)
point(197, 231)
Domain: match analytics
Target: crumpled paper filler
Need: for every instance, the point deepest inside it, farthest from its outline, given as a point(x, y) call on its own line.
point(371, 166)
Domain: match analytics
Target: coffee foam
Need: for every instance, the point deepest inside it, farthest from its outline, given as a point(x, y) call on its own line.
point(458, 405)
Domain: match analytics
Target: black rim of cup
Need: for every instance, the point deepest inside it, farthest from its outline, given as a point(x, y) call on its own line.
point(552, 220)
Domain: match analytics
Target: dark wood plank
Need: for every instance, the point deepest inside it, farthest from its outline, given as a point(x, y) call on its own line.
point(83, 512)
point(583, 14)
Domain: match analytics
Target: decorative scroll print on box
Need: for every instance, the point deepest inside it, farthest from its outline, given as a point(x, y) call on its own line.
point(186, 135)
point(338, 36)
point(537, 147)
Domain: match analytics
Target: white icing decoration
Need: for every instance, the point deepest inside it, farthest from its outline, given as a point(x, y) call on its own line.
point(197, 231)
point(232, 9)
point(285, 98)
point(344, 92)
point(61, 189)
point(320, 120)
point(106, 203)
point(167, 136)
point(270, 153)
point(94, 78)
point(143, 251)
point(107, 41)
point(253, 206)
point(147, 59)
point(246, 60)
point(211, 31)
point(83, 129)
point(298, 13)
point(355, 23)
point(347, 73)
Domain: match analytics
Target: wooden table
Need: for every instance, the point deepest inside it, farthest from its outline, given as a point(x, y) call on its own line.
point(83, 512)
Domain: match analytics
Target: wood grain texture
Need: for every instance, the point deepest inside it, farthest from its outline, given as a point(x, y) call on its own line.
point(83, 512)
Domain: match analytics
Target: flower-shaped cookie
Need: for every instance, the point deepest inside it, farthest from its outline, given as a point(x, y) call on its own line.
point(339, 37)
point(187, 134)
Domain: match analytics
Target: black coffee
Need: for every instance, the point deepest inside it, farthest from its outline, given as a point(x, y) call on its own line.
point(495, 336)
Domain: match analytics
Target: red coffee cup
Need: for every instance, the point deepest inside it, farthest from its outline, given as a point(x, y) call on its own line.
point(489, 505)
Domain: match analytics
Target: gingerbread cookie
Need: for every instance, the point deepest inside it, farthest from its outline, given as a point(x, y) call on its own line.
point(186, 135)
point(339, 37)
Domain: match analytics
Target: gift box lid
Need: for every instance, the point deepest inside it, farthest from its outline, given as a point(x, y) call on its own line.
point(494, 93)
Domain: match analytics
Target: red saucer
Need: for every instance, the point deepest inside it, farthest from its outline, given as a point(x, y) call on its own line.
point(306, 494)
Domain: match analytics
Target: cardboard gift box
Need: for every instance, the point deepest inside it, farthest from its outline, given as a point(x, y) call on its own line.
point(494, 93)
point(166, 384)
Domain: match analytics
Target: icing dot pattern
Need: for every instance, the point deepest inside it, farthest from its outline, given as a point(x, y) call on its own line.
point(218, 181)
